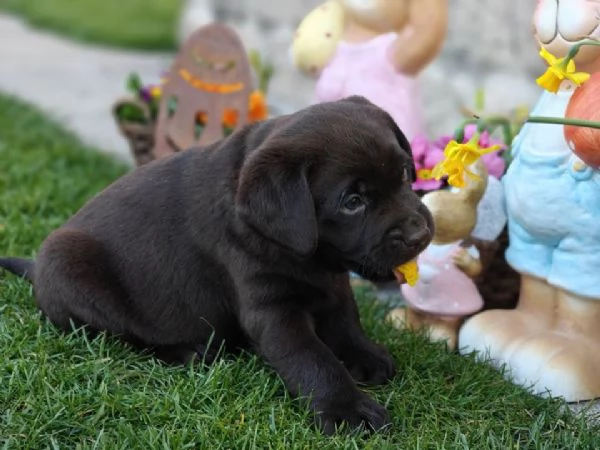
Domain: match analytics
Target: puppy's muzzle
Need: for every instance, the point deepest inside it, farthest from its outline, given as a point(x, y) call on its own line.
point(414, 233)
point(416, 238)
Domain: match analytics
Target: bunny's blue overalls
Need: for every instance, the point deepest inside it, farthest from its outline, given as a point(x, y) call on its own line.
point(553, 205)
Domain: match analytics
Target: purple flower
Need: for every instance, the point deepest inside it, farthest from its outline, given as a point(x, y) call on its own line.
point(145, 94)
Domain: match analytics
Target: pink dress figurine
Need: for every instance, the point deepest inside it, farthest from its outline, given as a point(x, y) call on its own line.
point(373, 48)
point(365, 68)
point(444, 288)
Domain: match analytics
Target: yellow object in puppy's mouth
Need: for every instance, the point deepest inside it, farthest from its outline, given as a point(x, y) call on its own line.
point(410, 272)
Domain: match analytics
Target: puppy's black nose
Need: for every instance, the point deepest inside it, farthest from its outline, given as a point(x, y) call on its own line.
point(412, 238)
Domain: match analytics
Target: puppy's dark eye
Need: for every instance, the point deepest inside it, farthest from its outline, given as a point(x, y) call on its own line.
point(353, 203)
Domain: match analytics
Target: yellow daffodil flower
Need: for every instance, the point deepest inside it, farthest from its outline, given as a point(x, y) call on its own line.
point(558, 71)
point(457, 159)
point(410, 270)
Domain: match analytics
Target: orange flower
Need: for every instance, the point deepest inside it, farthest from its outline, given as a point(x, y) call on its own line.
point(202, 118)
point(258, 109)
point(230, 117)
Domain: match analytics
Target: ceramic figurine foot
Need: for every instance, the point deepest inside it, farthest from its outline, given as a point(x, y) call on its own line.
point(559, 364)
point(496, 333)
point(552, 346)
point(439, 329)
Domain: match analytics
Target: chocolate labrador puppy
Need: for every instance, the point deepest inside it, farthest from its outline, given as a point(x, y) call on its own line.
point(248, 243)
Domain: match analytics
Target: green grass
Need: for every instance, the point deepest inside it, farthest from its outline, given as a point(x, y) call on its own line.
point(67, 392)
point(135, 24)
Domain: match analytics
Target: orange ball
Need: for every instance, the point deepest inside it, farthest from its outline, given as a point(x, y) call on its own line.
point(585, 105)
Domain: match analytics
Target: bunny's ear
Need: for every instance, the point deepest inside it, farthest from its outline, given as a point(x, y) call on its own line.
point(475, 188)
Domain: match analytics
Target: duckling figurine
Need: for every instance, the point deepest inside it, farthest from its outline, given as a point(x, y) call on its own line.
point(445, 292)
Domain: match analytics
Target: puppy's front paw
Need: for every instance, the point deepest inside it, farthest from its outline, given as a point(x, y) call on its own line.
point(370, 364)
point(353, 411)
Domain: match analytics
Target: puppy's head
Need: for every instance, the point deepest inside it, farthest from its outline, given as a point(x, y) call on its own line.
point(334, 180)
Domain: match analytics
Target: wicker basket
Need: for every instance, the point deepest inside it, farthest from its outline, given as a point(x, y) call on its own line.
point(140, 135)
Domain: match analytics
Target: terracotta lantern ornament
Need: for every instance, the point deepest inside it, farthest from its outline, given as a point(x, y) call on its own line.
point(551, 340)
point(207, 88)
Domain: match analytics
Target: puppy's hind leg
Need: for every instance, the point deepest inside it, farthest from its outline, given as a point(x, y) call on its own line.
point(75, 284)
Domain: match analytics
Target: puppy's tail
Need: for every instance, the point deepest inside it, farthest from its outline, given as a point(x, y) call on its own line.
point(19, 266)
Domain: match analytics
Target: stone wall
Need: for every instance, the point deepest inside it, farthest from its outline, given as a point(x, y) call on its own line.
point(489, 45)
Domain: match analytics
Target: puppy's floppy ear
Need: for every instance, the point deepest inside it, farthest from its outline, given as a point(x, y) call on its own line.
point(404, 144)
point(274, 199)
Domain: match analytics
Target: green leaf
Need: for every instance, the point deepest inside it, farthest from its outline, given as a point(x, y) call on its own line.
point(131, 113)
point(134, 83)
point(480, 99)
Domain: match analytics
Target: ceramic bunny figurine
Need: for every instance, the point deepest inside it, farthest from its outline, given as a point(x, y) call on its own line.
point(445, 292)
point(551, 340)
point(374, 48)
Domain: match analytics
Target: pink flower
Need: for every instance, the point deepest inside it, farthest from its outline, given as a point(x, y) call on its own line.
point(426, 156)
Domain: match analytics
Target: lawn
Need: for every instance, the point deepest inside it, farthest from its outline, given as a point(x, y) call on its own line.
point(137, 24)
point(68, 392)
